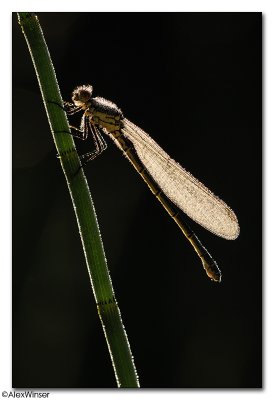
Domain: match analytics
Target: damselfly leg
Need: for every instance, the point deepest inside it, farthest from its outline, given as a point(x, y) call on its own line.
point(87, 126)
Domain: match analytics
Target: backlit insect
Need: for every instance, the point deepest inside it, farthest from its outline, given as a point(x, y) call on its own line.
point(173, 186)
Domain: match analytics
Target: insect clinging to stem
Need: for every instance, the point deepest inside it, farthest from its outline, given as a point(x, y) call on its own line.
point(175, 188)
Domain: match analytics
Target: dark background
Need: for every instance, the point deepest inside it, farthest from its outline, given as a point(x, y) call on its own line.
point(193, 82)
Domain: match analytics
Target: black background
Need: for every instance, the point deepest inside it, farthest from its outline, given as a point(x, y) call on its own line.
point(193, 82)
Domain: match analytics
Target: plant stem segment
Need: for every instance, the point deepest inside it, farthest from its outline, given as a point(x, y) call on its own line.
point(109, 313)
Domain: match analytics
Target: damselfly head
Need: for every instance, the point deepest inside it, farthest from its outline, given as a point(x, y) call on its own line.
point(81, 95)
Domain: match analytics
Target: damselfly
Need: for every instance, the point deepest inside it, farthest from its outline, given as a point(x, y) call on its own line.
point(169, 182)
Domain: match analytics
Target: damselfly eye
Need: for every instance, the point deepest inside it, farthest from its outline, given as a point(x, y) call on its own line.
point(82, 94)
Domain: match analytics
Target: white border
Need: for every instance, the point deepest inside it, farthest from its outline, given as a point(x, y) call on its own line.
point(5, 179)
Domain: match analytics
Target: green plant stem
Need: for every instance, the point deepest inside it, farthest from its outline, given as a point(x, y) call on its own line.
point(121, 356)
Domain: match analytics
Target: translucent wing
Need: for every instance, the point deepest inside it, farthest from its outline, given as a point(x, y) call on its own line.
point(190, 195)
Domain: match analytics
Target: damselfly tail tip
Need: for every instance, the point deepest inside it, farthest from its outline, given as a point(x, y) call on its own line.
point(219, 278)
point(212, 270)
point(215, 277)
